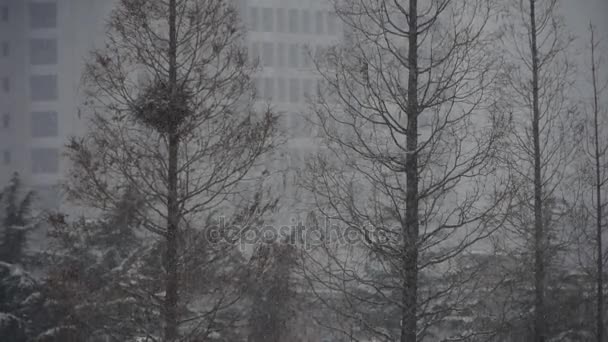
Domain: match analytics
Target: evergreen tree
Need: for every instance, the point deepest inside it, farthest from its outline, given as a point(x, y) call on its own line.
point(15, 221)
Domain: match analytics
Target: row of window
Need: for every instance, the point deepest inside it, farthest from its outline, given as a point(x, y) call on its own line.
point(292, 21)
point(42, 87)
point(44, 159)
point(42, 51)
point(292, 90)
point(43, 124)
point(4, 14)
point(41, 14)
point(270, 54)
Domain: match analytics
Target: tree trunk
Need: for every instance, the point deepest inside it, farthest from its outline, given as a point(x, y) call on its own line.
point(539, 262)
point(410, 234)
point(600, 264)
point(171, 262)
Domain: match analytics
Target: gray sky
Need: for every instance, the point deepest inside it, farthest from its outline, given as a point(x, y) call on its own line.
point(578, 13)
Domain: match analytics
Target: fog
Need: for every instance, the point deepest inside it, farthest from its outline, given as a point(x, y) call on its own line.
point(266, 170)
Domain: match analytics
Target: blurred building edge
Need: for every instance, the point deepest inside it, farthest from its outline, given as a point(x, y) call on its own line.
point(43, 48)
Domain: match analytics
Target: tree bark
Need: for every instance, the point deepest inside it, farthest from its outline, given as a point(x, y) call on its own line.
point(171, 262)
point(600, 264)
point(410, 234)
point(539, 262)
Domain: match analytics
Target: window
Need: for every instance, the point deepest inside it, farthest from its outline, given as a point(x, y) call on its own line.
point(6, 120)
point(43, 15)
point(5, 49)
point(307, 87)
point(293, 21)
point(292, 129)
point(305, 21)
point(315, 87)
point(43, 51)
point(45, 160)
point(268, 88)
point(294, 90)
point(267, 20)
point(254, 20)
point(331, 23)
point(5, 13)
point(254, 53)
point(268, 54)
point(319, 52)
point(319, 23)
point(282, 89)
point(43, 87)
point(293, 55)
point(281, 55)
point(6, 84)
point(44, 124)
point(306, 59)
point(257, 84)
point(281, 20)
point(6, 157)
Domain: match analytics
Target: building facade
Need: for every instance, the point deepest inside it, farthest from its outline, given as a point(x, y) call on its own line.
point(285, 38)
point(43, 47)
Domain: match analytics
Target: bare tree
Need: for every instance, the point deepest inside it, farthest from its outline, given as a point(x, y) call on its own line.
point(541, 146)
point(599, 155)
point(593, 167)
point(406, 181)
point(172, 119)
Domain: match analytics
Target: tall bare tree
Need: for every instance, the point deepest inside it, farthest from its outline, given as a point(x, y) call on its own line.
point(172, 118)
point(598, 152)
point(542, 142)
point(407, 173)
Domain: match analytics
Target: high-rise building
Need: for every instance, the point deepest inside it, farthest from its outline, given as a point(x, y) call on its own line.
point(285, 38)
point(44, 44)
point(43, 47)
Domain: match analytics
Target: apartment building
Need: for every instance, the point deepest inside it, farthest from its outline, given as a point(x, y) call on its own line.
point(286, 37)
point(43, 47)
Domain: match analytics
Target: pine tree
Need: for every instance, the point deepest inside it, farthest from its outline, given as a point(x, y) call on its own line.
point(22, 311)
point(16, 221)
